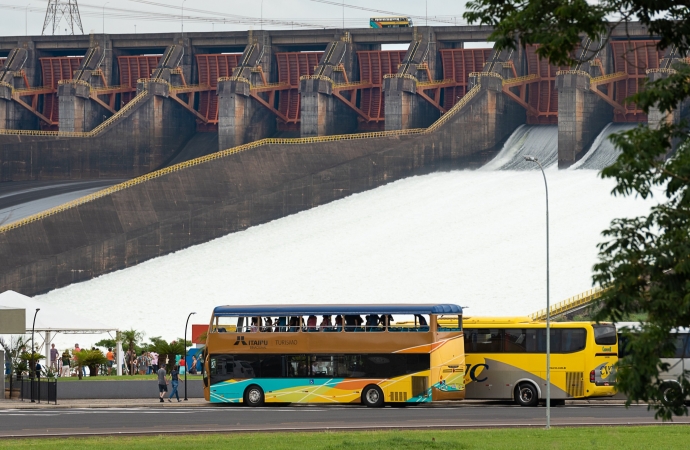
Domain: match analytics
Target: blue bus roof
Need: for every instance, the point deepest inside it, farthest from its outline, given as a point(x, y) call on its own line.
point(330, 310)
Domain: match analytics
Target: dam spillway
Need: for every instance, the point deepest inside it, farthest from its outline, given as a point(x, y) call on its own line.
point(300, 119)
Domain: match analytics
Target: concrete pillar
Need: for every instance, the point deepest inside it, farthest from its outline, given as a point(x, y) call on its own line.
point(322, 114)
point(6, 107)
point(404, 108)
point(581, 116)
point(241, 118)
point(72, 98)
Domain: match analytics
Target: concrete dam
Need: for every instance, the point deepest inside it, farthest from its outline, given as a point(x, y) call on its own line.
point(217, 132)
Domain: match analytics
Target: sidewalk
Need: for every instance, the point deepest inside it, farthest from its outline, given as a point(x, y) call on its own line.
point(100, 403)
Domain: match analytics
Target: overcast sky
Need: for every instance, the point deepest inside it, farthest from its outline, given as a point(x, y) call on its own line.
point(20, 17)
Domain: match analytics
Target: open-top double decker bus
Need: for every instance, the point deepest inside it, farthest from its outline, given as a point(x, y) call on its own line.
point(390, 22)
point(506, 359)
point(334, 354)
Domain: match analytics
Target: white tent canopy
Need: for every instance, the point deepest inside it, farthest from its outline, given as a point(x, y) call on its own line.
point(52, 319)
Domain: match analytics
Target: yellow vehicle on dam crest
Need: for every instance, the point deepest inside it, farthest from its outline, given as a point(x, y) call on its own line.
point(334, 354)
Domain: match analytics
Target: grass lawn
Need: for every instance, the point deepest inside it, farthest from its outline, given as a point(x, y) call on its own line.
point(121, 378)
point(653, 437)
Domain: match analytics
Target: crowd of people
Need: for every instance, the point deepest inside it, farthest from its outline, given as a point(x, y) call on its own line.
point(345, 322)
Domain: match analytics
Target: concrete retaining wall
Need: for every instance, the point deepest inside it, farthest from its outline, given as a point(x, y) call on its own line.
point(229, 194)
point(146, 137)
point(73, 390)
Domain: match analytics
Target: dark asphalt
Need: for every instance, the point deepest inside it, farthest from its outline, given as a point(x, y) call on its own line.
point(19, 199)
point(59, 422)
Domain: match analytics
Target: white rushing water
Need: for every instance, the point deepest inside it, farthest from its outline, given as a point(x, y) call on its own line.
point(540, 141)
point(602, 153)
point(475, 238)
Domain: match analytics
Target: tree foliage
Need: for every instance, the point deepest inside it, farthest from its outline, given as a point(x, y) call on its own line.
point(645, 260)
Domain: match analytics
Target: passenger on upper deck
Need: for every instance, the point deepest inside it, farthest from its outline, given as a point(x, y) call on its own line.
point(372, 322)
point(338, 323)
point(311, 323)
point(268, 326)
point(325, 324)
point(294, 324)
point(349, 323)
point(282, 325)
point(255, 325)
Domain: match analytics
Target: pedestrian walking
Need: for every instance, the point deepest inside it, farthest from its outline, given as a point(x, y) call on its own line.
point(154, 362)
point(53, 357)
point(64, 372)
point(175, 381)
point(162, 384)
point(110, 356)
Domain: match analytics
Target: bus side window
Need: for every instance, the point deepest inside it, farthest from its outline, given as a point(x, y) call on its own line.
point(489, 340)
point(681, 344)
point(573, 340)
point(515, 340)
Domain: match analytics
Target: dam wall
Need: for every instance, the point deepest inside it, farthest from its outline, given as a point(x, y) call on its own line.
point(229, 191)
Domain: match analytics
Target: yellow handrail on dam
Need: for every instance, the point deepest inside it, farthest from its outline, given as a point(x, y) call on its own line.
point(569, 304)
point(80, 134)
point(223, 153)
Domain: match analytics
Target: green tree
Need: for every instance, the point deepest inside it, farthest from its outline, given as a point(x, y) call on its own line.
point(168, 350)
point(92, 359)
point(645, 261)
point(131, 338)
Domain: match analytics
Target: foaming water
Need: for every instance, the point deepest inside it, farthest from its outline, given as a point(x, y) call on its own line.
point(540, 141)
point(602, 153)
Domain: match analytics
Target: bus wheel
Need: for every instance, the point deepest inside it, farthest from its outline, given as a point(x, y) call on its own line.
point(672, 394)
point(372, 396)
point(254, 396)
point(526, 395)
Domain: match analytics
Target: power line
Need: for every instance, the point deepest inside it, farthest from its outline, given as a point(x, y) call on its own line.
point(59, 9)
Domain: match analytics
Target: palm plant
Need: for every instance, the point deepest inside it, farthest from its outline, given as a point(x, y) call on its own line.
point(131, 338)
point(92, 359)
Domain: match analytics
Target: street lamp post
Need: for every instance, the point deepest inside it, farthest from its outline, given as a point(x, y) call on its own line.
point(32, 370)
point(104, 16)
point(548, 306)
point(185, 355)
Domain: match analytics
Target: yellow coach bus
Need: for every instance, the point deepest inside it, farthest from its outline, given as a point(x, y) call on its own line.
point(334, 354)
point(506, 359)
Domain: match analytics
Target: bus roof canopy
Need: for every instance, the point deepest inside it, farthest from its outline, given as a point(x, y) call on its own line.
point(328, 310)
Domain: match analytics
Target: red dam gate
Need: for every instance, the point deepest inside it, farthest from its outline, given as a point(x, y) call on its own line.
point(54, 70)
point(633, 58)
point(373, 65)
point(133, 68)
point(211, 67)
point(458, 64)
point(291, 66)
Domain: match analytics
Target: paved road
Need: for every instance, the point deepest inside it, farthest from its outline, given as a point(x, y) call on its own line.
point(52, 422)
point(19, 199)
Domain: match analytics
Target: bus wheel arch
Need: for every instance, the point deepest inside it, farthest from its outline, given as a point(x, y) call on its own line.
point(672, 393)
point(526, 393)
point(372, 396)
point(254, 395)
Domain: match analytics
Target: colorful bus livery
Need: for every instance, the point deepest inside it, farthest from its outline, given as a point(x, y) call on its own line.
point(297, 361)
point(390, 22)
point(506, 359)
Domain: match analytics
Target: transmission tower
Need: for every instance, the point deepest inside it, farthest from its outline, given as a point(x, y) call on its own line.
point(59, 9)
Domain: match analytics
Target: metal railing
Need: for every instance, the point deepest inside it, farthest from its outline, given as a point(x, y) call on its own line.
point(577, 301)
point(97, 89)
point(317, 77)
point(37, 389)
point(452, 111)
point(668, 71)
point(72, 81)
point(518, 80)
point(224, 153)
point(573, 72)
point(400, 75)
point(77, 134)
point(604, 78)
point(353, 84)
point(435, 82)
point(238, 78)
